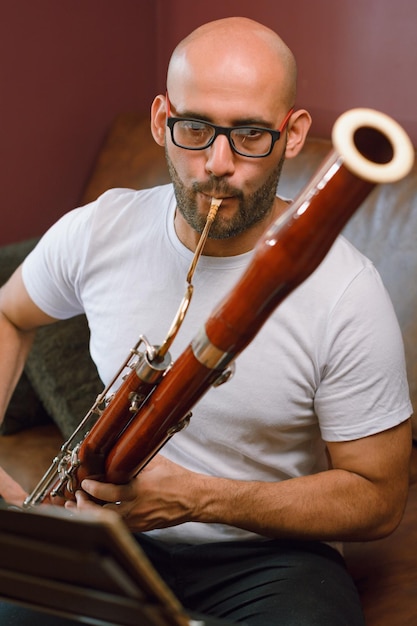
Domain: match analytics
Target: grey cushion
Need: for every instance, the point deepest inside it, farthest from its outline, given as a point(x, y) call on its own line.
point(62, 373)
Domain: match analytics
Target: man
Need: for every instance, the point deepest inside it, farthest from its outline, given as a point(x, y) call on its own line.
point(308, 445)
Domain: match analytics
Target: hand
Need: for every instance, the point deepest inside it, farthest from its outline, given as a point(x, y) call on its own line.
point(10, 490)
point(162, 495)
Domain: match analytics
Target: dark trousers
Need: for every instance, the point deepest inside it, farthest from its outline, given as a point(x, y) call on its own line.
point(268, 583)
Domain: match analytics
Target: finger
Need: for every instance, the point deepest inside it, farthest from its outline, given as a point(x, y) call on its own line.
point(84, 502)
point(106, 492)
point(10, 490)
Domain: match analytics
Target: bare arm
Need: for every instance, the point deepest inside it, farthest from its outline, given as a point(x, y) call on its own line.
point(361, 497)
point(19, 318)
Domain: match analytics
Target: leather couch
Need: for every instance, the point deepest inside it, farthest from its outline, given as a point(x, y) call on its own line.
point(384, 228)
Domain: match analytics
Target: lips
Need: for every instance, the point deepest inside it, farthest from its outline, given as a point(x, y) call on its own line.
point(219, 196)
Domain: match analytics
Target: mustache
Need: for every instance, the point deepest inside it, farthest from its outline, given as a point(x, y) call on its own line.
point(217, 187)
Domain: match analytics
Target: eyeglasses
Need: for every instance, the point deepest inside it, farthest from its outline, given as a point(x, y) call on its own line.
point(248, 141)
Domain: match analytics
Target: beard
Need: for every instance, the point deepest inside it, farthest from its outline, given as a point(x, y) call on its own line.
point(252, 208)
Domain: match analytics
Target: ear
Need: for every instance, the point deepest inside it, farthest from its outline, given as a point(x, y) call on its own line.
point(298, 127)
point(158, 119)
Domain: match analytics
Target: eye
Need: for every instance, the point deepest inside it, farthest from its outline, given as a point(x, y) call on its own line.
point(194, 126)
point(248, 134)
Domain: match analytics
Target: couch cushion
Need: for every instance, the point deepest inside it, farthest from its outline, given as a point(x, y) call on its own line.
point(128, 158)
point(62, 373)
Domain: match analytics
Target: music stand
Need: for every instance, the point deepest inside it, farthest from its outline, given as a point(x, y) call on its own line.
point(86, 567)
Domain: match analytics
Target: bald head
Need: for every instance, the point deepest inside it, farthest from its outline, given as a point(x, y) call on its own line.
point(236, 53)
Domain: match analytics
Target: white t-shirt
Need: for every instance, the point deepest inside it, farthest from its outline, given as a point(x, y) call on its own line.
point(328, 365)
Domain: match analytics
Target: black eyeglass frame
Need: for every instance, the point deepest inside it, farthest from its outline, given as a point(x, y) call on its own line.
point(227, 131)
point(223, 130)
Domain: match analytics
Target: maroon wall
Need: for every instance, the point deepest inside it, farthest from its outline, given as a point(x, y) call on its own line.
point(350, 52)
point(68, 67)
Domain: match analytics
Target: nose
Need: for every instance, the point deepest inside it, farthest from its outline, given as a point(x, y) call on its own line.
point(220, 157)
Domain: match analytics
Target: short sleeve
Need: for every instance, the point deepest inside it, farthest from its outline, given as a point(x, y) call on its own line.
point(52, 271)
point(363, 387)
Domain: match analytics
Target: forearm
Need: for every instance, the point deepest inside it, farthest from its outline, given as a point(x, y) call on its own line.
point(330, 506)
point(19, 319)
point(362, 497)
point(15, 346)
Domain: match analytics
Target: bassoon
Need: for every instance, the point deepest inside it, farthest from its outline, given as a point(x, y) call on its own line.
point(124, 429)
